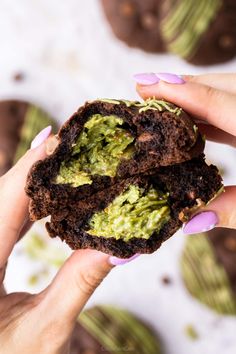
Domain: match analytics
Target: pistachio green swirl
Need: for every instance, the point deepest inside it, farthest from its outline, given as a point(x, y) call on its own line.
point(35, 120)
point(186, 22)
point(205, 278)
point(119, 331)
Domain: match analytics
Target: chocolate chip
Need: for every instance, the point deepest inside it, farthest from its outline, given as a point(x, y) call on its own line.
point(19, 76)
point(227, 41)
point(149, 20)
point(166, 280)
point(127, 9)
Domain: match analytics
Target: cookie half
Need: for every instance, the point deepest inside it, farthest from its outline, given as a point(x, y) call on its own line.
point(106, 141)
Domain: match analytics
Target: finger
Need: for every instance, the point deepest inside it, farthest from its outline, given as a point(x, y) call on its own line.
point(220, 212)
point(211, 105)
point(74, 284)
point(2, 273)
point(14, 201)
point(217, 135)
point(223, 82)
point(2, 291)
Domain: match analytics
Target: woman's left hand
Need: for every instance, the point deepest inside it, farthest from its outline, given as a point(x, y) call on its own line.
point(40, 323)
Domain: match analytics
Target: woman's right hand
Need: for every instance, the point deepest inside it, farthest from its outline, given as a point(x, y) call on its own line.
point(211, 100)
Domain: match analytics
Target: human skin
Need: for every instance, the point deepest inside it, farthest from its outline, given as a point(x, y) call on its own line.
point(211, 100)
point(42, 323)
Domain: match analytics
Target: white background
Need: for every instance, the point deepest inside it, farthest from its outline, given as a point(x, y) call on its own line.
point(68, 55)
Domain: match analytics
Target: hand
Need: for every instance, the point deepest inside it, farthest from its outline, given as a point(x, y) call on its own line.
point(211, 100)
point(41, 323)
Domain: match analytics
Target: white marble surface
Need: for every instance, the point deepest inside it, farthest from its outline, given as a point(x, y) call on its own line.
point(68, 55)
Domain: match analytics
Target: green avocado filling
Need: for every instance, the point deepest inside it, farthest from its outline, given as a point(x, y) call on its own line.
point(98, 150)
point(136, 213)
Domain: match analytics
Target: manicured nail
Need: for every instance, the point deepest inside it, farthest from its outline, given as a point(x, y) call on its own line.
point(146, 79)
point(41, 137)
point(170, 78)
point(154, 78)
point(120, 261)
point(201, 222)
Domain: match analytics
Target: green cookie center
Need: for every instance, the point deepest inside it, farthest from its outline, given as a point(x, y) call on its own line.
point(101, 145)
point(135, 213)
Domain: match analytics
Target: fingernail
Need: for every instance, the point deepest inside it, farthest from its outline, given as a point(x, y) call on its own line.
point(201, 222)
point(41, 137)
point(146, 79)
point(120, 261)
point(170, 78)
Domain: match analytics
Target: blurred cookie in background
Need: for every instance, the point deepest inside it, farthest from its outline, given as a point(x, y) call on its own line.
point(107, 329)
point(20, 122)
point(208, 267)
point(202, 32)
point(136, 22)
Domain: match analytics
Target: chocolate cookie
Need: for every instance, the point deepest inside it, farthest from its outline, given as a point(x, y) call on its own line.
point(123, 178)
point(20, 122)
point(136, 22)
point(208, 267)
point(202, 32)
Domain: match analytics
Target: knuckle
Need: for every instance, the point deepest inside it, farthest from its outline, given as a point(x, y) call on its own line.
point(212, 96)
point(87, 282)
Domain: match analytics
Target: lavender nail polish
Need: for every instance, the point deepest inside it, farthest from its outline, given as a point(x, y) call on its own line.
point(146, 79)
point(120, 261)
point(41, 137)
point(201, 222)
point(170, 78)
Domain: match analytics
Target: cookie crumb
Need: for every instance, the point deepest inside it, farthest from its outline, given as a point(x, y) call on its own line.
point(191, 332)
point(166, 280)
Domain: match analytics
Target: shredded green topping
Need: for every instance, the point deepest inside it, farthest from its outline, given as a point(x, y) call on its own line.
point(150, 103)
point(135, 213)
point(101, 145)
point(158, 105)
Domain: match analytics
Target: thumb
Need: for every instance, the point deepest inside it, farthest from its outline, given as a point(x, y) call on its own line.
point(220, 212)
point(74, 284)
point(13, 199)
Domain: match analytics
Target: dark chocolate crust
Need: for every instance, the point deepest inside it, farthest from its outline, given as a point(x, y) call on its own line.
point(224, 243)
point(136, 22)
point(186, 182)
point(161, 139)
point(12, 114)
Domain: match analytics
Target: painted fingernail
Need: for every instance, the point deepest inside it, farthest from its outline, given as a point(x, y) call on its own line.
point(41, 137)
point(120, 261)
point(170, 78)
point(146, 79)
point(201, 222)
